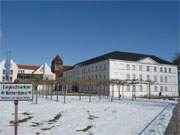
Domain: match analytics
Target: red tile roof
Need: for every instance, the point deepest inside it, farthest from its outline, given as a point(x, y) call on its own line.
point(28, 67)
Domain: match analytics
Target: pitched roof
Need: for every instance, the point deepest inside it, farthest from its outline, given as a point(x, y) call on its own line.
point(57, 58)
point(123, 56)
point(28, 67)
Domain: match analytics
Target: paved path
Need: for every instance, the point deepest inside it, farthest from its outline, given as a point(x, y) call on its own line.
point(174, 125)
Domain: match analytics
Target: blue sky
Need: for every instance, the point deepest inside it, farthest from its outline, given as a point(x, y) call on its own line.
point(35, 32)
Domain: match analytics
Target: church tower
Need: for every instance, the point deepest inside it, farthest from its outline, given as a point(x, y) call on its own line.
point(57, 67)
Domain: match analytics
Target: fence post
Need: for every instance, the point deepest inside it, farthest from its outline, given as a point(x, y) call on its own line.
point(36, 90)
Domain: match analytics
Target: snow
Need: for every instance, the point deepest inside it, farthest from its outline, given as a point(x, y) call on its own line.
point(159, 125)
point(102, 117)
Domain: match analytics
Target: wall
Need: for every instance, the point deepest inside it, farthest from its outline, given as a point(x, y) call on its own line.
point(118, 70)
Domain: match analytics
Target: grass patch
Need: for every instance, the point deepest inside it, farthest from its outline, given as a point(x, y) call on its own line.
point(91, 117)
point(45, 129)
point(85, 129)
point(26, 113)
point(21, 120)
point(35, 124)
point(55, 119)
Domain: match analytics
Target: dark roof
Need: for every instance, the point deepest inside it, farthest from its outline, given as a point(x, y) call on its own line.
point(57, 59)
point(122, 56)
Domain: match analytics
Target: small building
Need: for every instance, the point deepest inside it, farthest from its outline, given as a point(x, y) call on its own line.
point(24, 72)
point(11, 75)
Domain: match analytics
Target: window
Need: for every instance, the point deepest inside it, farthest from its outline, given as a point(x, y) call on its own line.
point(165, 69)
point(133, 67)
point(96, 67)
point(134, 77)
point(148, 77)
point(4, 72)
point(128, 88)
point(127, 66)
point(140, 67)
point(11, 72)
point(140, 88)
point(161, 79)
point(104, 77)
point(140, 77)
point(161, 69)
point(155, 78)
point(155, 69)
point(147, 68)
point(165, 78)
point(128, 76)
point(169, 70)
point(161, 88)
point(104, 67)
point(11, 79)
point(155, 88)
point(134, 87)
point(99, 67)
point(166, 88)
point(3, 78)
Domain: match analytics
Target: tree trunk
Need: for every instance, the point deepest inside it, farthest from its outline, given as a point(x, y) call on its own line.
point(64, 94)
point(119, 94)
point(112, 96)
point(51, 90)
point(57, 94)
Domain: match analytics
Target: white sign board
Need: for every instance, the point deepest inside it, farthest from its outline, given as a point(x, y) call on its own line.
point(11, 92)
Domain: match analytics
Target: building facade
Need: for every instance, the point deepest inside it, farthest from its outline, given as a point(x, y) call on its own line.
point(127, 66)
point(13, 71)
point(25, 72)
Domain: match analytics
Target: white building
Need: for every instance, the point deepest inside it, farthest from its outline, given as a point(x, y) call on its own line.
point(25, 71)
point(127, 66)
point(13, 71)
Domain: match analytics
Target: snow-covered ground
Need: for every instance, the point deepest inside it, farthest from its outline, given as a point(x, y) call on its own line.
point(100, 117)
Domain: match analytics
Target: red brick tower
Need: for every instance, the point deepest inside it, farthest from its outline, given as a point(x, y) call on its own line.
point(57, 67)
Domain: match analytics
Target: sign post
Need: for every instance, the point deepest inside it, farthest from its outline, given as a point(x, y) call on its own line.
point(16, 118)
point(16, 93)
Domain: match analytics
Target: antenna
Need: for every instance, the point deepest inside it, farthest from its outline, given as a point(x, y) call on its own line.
point(8, 66)
point(1, 46)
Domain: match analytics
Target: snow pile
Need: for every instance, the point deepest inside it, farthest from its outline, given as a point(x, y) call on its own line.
point(100, 117)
